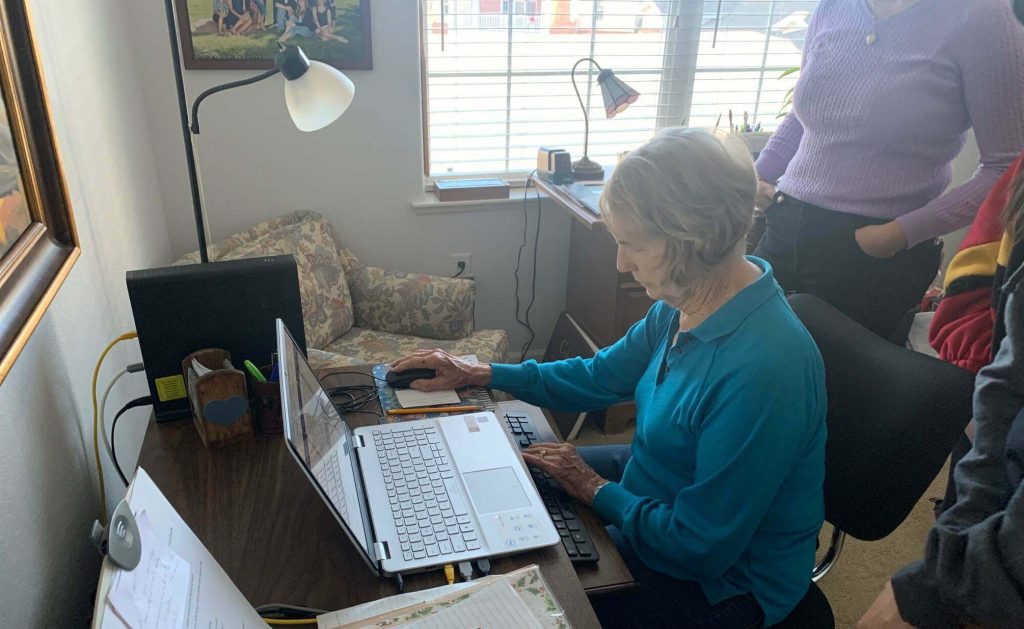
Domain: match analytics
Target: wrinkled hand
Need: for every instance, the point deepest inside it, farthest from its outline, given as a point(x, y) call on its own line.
point(881, 241)
point(565, 465)
point(452, 372)
point(884, 613)
point(765, 194)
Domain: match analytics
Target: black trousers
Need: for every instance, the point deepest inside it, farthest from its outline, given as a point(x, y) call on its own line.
point(813, 250)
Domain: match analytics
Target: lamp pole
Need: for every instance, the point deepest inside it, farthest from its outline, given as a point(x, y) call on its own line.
point(585, 168)
point(190, 149)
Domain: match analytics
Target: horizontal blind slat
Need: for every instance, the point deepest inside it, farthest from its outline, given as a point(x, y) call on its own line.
point(501, 85)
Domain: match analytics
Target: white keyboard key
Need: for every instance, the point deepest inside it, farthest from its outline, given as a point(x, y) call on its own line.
point(458, 506)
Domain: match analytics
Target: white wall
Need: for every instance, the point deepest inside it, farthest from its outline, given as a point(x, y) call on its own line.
point(49, 493)
point(361, 172)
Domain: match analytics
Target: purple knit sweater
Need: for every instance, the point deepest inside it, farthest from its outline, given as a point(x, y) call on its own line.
point(875, 127)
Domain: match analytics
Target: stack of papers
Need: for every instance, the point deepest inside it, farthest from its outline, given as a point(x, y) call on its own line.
point(177, 584)
point(517, 600)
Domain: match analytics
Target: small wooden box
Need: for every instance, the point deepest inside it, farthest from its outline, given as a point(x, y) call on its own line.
point(220, 403)
point(470, 189)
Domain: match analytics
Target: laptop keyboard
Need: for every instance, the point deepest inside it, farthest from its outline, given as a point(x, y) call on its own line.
point(328, 474)
point(430, 514)
point(575, 538)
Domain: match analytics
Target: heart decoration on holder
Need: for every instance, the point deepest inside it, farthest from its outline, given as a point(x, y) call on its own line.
point(225, 412)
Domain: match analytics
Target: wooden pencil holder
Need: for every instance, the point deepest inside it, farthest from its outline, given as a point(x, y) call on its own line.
point(220, 403)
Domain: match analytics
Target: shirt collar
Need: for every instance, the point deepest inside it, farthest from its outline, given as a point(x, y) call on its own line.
point(735, 311)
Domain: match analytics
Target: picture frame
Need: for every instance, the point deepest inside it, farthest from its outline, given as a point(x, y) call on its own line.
point(40, 244)
point(246, 35)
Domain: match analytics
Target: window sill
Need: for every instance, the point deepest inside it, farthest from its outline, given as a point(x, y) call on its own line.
point(429, 204)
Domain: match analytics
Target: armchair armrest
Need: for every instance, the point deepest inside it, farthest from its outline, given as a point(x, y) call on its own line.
point(413, 304)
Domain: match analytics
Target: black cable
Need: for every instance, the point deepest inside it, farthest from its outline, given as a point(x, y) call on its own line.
point(533, 281)
point(139, 401)
point(358, 397)
point(280, 611)
point(519, 255)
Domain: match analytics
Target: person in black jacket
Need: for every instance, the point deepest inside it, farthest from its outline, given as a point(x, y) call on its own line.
point(973, 569)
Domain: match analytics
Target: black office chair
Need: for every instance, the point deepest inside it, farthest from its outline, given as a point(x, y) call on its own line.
point(893, 417)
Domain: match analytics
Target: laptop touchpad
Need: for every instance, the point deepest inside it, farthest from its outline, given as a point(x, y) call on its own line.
point(496, 490)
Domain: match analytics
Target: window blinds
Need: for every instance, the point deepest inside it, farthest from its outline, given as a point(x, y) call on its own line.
point(497, 83)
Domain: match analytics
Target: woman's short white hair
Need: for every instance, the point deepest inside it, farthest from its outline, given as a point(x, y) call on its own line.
point(691, 188)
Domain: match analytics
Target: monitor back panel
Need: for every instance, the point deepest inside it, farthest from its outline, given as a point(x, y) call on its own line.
point(230, 305)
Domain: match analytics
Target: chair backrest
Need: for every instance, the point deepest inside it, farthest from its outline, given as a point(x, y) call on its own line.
point(893, 417)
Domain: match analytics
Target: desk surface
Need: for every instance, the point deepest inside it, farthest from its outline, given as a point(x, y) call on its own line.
point(259, 516)
point(565, 198)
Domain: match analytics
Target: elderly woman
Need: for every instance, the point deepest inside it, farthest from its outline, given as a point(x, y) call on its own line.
point(717, 503)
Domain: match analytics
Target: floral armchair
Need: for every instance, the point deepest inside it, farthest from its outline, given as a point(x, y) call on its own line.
point(356, 314)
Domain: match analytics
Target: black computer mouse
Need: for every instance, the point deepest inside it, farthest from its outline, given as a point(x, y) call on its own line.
point(402, 379)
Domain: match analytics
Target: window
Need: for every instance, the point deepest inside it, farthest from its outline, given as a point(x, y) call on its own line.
point(497, 73)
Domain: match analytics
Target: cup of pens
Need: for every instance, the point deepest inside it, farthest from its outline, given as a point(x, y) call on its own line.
point(266, 398)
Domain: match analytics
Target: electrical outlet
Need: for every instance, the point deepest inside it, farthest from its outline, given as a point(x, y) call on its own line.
point(462, 264)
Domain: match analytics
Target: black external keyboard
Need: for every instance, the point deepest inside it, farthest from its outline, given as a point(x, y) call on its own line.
point(575, 538)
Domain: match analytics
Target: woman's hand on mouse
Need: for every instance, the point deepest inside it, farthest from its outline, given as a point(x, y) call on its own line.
point(451, 371)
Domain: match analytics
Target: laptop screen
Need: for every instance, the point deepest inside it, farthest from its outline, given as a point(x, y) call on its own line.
point(319, 438)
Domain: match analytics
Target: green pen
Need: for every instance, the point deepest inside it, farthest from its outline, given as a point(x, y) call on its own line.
point(254, 371)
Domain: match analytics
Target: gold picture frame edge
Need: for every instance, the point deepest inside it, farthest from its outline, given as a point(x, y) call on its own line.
point(34, 135)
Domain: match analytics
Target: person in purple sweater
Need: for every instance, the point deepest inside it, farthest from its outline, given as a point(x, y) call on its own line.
point(852, 181)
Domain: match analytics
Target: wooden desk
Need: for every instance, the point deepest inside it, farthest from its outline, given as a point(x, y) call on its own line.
point(258, 515)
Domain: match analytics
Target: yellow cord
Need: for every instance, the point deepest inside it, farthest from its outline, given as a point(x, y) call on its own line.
point(303, 621)
point(95, 422)
point(449, 573)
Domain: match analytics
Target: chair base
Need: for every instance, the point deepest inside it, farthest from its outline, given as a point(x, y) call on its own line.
point(835, 547)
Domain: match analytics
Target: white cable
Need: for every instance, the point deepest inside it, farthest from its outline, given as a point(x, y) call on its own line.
point(103, 406)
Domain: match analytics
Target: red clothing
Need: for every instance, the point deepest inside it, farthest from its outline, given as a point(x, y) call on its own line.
point(961, 331)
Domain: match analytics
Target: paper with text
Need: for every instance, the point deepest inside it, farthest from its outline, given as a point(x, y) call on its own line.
point(154, 594)
point(536, 606)
point(211, 600)
point(496, 606)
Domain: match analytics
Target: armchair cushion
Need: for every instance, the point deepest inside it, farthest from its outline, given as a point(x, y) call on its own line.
point(323, 289)
point(412, 304)
point(360, 346)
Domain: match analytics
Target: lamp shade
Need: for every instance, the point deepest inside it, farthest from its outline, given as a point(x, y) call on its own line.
point(318, 97)
point(617, 95)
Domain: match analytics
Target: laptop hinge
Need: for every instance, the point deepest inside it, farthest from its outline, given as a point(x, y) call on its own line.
point(381, 548)
point(358, 441)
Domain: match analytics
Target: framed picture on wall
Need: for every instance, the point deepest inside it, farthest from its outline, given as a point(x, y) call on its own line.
point(38, 242)
point(245, 34)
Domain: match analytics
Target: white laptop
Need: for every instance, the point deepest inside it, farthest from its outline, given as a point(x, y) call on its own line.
point(413, 495)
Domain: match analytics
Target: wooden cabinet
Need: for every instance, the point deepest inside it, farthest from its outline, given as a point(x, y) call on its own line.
point(603, 301)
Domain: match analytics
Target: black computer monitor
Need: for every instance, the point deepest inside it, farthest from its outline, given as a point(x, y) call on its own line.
point(230, 305)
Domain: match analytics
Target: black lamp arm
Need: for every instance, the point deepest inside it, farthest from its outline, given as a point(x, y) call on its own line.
point(226, 86)
point(586, 118)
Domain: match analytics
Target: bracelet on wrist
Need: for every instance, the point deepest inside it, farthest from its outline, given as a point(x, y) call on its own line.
point(597, 487)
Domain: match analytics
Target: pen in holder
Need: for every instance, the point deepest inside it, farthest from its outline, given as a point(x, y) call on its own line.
point(220, 404)
point(266, 403)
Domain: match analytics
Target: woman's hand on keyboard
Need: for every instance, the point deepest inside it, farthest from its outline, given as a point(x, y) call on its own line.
point(451, 371)
point(567, 467)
